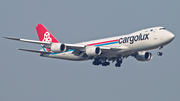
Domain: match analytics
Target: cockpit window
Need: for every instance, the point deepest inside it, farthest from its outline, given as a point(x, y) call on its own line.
point(162, 29)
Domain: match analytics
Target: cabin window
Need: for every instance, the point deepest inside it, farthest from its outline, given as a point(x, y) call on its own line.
point(162, 29)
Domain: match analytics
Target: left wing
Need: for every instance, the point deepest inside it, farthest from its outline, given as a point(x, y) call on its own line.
point(77, 47)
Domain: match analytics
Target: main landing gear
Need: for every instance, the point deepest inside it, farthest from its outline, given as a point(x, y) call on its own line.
point(103, 62)
point(160, 53)
point(118, 63)
point(98, 62)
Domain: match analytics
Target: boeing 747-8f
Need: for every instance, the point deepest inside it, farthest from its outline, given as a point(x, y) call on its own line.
point(103, 51)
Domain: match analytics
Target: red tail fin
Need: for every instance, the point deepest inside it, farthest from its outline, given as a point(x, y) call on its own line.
point(44, 34)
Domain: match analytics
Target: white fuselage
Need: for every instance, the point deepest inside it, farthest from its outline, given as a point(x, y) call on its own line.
point(145, 39)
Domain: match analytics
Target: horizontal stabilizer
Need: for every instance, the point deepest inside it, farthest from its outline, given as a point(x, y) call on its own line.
point(36, 51)
point(26, 40)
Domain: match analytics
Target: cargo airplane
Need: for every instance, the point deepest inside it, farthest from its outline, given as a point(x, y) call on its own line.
point(103, 51)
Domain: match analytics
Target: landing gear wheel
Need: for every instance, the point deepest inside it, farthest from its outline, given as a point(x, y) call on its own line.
point(105, 63)
point(108, 63)
point(159, 53)
point(96, 62)
point(118, 65)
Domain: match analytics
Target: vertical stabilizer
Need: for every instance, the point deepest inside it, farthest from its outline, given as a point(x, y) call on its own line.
point(44, 34)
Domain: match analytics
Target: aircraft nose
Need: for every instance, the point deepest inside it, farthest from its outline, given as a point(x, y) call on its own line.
point(171, 36)
point(168, 37)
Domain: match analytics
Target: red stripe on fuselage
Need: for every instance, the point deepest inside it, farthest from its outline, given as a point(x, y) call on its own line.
point(102, 42)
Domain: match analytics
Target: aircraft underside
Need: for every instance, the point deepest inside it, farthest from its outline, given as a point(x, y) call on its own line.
point(101, 60)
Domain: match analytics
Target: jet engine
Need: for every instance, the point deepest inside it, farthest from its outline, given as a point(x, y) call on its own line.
point(58, 47)
point(143, 56)
point(93, 51)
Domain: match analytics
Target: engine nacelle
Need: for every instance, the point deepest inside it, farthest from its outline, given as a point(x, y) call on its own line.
point(93, 51)
point(143, 56)
point(58, 47)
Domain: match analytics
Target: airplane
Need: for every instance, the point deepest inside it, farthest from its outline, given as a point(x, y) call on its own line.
point(102, 51)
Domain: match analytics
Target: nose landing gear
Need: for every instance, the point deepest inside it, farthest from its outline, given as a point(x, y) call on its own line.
point(160, 53)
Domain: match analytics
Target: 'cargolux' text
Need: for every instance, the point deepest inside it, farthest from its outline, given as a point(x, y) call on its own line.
point(133, 39)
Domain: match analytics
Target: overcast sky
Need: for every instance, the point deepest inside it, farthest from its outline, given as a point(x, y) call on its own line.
point(25, 76)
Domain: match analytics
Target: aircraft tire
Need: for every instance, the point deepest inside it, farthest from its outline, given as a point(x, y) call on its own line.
point(105, 63)
point(118, 65)
point(159, 53)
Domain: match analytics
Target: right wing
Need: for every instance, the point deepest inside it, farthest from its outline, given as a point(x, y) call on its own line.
point(114, 48)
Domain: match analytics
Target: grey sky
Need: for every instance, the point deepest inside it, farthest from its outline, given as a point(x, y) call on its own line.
point(25, 76)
